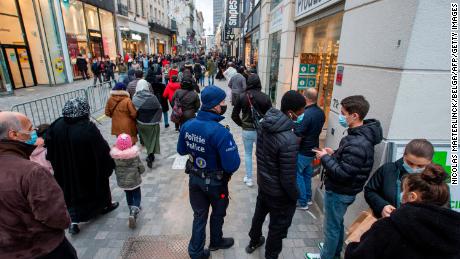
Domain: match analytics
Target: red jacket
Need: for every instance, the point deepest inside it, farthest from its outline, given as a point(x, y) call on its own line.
point(170, 90)
point(33, 214)
point(173, 72)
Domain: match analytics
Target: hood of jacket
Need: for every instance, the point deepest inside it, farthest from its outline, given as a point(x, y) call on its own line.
point(209, 116)
point(428, 227)
point(129, 153)
point(253, 83)
point(119, 93)
point(17, 148)
point(275, 121)
point(371, 130)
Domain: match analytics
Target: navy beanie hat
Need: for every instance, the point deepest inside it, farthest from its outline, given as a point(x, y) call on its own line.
point(119, 86)
point(211, 96)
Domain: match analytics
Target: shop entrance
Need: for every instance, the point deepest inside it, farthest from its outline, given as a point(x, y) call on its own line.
point(19, 65)
point(95, 42)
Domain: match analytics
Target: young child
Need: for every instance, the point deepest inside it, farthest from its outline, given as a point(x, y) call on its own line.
point(128, 171)
point(39, 154)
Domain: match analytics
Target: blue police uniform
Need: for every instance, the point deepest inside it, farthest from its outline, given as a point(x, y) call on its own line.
point(213, 158)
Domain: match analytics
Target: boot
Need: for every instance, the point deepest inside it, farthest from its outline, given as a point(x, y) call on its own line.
point(110, 208)
point(150, 159)
point(225, 243)
point(133, 216)
point(253, 246)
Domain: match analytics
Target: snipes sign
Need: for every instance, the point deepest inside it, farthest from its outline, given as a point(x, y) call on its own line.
point(233, 14)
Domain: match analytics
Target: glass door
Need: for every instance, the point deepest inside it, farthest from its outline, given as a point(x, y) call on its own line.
point(26, 69)
point(13, 64)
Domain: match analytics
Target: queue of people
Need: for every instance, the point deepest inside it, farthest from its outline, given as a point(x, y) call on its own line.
point(50, 185)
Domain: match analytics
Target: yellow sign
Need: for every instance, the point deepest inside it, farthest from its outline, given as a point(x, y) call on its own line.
point(59, 65)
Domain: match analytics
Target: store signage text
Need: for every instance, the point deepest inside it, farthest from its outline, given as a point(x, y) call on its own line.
point(308, 6)
point(228, 34)
point(233, 13)
point(135, 36)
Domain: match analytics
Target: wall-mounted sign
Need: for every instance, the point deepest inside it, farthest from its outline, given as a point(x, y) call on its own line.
point(233, 14)
point(135, 36)
point(228, 34)
point(305, 7)
point(308, 68)
point(276, 18)
point(339, 77)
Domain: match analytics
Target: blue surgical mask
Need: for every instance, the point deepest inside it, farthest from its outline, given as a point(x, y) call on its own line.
point(300, 118)
point(343, 121)
point(411, 170)
point(33, 138)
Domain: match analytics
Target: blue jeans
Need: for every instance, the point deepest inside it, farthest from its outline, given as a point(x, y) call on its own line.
point(202, 80)
point(165, 118)
point(210, 78)
point(249, 137)
point(133, 197)
point(304, 173)
point(335, 207)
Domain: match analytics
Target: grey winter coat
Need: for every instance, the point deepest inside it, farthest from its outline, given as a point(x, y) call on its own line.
point(148, 108)
point(128, 168)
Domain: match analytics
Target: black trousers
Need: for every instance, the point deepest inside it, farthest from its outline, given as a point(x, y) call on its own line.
point(201, 197)
point(84, 73)
point(64, 250)
point(281, 212)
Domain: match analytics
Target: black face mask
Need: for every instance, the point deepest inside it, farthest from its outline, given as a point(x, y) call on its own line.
point(223, 109)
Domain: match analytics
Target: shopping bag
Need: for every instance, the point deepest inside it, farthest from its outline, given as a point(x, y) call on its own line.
point(361, 225)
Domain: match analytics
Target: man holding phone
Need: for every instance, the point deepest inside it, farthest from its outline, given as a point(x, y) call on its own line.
point(308, 127)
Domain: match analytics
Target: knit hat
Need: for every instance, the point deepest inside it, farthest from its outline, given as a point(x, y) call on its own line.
point(76, 108)
point(211, 96)
point(119, 86)
point(124, 141)
point(292, 101)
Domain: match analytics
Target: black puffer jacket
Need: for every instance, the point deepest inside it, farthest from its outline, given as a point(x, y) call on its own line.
point(415, 231)
point(260, 101)
point(382, 189)
point(348, 169)
point(277, 147)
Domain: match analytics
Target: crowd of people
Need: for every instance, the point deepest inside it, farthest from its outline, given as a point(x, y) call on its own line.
point(58, 175)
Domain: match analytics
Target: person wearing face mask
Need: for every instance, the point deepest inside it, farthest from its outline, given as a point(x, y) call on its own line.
point(308, 127)
point(213, 158)
point(33, 211)
point(382, 191)
point(277, 148)
point(346, 170)
point(423, 227)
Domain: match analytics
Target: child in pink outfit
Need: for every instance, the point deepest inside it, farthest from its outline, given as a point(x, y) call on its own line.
point(39, 154)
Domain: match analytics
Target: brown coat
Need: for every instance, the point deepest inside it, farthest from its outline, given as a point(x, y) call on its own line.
point(123, 113)
point(33, 214)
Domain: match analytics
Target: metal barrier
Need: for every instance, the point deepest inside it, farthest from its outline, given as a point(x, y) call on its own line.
point(48, 109)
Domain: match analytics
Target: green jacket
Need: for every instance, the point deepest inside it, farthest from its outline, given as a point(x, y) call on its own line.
point(128, 168)
point(211, 67)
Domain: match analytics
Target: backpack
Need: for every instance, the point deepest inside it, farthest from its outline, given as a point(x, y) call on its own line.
point(177, 111)
point(256, 116)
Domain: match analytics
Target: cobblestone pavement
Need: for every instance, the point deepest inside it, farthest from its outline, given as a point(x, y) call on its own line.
point(166, 209)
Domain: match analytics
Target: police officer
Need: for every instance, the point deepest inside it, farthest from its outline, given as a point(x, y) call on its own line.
point(213, 157)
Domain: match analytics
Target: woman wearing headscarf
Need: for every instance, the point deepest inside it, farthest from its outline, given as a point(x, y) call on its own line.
point(81, 161)
point(158, 89)
point(148, 119)
point(120, 108)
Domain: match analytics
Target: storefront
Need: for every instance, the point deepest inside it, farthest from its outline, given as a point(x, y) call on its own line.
point(251, 37)
point(134, 42)
point(89, 31)
point(316, 50)
point(160, 38)
point(30, 47)
point(274, 47)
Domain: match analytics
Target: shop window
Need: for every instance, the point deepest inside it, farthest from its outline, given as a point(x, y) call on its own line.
point(8, 7)
point(274, 59)
point(317, 47)
point(92, 20)
point(108, 34)
point(275, 4)
point(11, 30)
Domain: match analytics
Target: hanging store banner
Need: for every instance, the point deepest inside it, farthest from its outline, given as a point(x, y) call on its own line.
point(305, 7)
point(229, 35)
point(233, 14)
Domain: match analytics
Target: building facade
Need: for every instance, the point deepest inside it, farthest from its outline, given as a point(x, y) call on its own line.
point(218, 11)
point(387, 51)
point(160, 27)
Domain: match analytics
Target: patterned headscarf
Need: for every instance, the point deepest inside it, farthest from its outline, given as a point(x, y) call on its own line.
point(75, 108)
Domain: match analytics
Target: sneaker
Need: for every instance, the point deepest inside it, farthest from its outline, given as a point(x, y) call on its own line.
point(321, 246)
point(133, 217)
point(249, 183)
point(226, 242)
point(245, 179)
point(74, 229)
point(166, 126)
point(309, 202)
point(302, 207)
point(251, 248)
point(312, 256)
